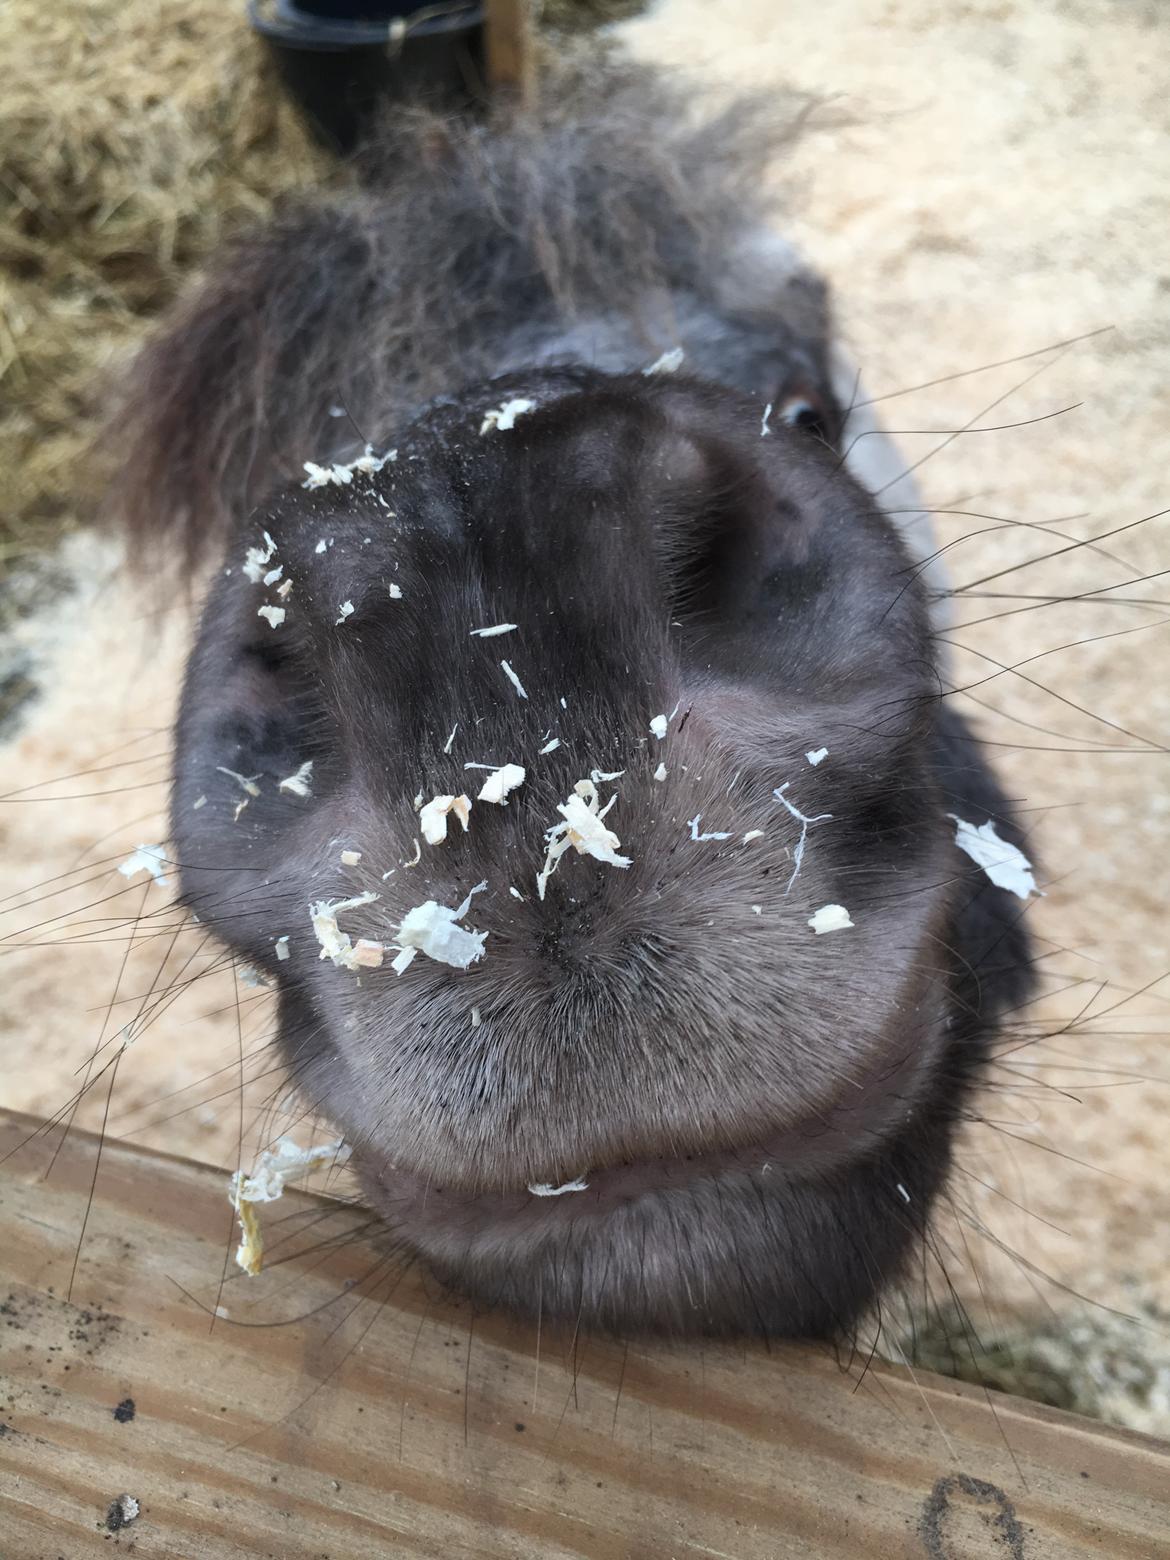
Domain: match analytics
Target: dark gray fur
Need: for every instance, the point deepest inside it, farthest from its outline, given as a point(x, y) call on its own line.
point(764, 1117)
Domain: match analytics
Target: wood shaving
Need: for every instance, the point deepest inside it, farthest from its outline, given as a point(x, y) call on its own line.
point(417, 857)
point(198, 803)
point(830, 918)
point(753, 834)
point(476, 1018)
point(283, 590)
point(583, 831)
point(764, 429)
point(321, 546)
point(817, 756)
point(503, 419)
point(500, 784)
point(451, 738)
point(146, 858)
point(600, 776)
point(350, 858)
point(551, 747)
point(544, 1189)
point(245, 782)
point(658, 727)
point(336, 944)
point(1004, 863)
point(281, 948)
point(367, 954)
point(700, 838)
point(238, 809)
point(660, 772)
point(497, 628)
point(273, 574)
point(513, 679)
point(395, 592)
point(344, 610)
point(256, 559)
point(266, 1183)
point(298, 784)
point(669, 363)
point(340, 473)
point(433, 817)
point(798, 853)
point(432, 929)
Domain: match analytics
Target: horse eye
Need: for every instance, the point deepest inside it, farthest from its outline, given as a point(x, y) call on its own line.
point(799, 412)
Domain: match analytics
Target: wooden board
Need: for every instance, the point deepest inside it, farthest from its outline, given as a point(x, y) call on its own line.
point(390, 1422)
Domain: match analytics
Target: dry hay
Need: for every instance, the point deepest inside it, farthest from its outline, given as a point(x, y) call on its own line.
point(133, 135)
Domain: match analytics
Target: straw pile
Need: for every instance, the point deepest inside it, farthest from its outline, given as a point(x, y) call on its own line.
point(133, 135)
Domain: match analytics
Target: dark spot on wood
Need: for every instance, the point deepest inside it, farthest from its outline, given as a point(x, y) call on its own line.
point(125, 1411)
point(1001, 1516)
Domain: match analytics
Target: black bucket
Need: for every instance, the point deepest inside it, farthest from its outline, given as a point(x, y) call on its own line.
point(342, 60)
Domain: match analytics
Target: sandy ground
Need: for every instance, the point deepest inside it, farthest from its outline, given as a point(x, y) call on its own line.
point(1003, 185)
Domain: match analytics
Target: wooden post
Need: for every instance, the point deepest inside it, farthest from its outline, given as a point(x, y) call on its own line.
point(508, 30)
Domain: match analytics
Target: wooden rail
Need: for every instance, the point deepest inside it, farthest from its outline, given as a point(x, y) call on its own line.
point(390, 1422)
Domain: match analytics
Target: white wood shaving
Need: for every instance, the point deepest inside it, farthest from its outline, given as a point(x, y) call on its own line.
point(273, 574)
point(501, 783)
point(544, 1189)
point(830, 918)
point(757, 909)
point(513, 679)
point(350, 858)
point(245, 782)
point(817, 756)
point(298, 783)
point(700, 838)
point(582, 831)
point(340, 473)
point(490, 633)
point(902, 1192)
point(266, 1183)
point(336, 944)
point(669, 363)
point(283, 590)
point(551, 747)
point(198, 803)
point(239, 807)
point(660, 772)
point(418, 800)
point(658, 727)
point(516, 894)
point(504, 418)
point(798, 853)
point(481, 766)
point(274, 616)
point(395, 592)
point(367, 954)
point(344, 610)
point(417, 857)
point(600, 776)
point(476, 1018)
point(433, 817)
point(321, 546)
point(146, 858)
point(753, 834)
point(432, 929)
point(451, 738)
point(564, 706)
point(1004, 864)
point(764, 429)
point(281, 948)
point(257, 558)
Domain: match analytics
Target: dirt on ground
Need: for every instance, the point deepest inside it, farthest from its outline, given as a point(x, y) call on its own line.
point(981, 181)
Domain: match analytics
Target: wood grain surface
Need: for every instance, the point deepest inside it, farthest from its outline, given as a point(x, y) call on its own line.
point(389, 1421)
